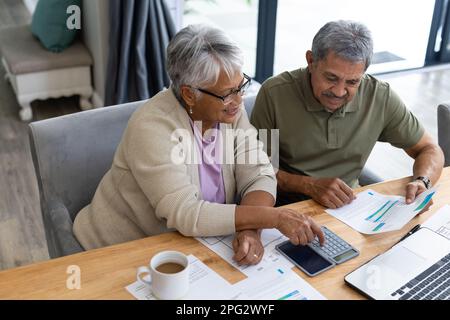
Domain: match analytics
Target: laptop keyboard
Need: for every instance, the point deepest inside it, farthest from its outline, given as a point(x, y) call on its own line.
point(432, 284)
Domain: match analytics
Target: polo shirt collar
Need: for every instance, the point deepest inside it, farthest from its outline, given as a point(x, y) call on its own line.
point(312, 105)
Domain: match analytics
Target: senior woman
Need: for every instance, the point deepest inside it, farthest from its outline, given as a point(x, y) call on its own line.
point(148, 190)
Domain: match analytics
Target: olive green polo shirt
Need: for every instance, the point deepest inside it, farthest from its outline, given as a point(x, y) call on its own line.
point(323, 144)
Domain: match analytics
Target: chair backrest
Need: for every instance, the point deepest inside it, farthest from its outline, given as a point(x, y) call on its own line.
point(72, 153)
point(443, 119)
point(250, 97)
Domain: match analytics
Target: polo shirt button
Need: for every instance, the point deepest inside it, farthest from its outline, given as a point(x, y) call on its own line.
point(180, 138)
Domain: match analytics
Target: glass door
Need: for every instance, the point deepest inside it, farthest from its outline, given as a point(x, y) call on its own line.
point(400, 30)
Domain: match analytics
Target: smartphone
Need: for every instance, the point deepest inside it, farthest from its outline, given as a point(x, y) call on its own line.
point(305, 258)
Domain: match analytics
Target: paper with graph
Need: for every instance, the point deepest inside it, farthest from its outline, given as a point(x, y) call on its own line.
point(272, 259)
point(373, 213)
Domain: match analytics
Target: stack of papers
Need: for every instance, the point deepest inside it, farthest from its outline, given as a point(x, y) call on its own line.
point(205, 284)
point(277, 285)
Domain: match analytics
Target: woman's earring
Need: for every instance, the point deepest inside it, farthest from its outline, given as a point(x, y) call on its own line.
point(190, 110)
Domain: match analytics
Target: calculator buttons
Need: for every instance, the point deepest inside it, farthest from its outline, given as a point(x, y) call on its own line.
point(334, 246)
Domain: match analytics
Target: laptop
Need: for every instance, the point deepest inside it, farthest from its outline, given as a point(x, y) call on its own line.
point(417, 268)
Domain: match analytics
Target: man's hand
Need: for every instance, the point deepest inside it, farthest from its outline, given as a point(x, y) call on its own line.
point(413, 189)
point(247, 247)
point(330, 192)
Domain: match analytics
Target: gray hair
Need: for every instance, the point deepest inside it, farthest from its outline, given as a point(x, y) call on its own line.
point(350, 40)
point(196, 55)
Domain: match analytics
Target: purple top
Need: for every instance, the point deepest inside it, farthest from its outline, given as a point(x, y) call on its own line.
point(210, 167)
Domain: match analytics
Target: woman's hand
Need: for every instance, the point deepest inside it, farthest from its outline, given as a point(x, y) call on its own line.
point(299, 228)
point(247, 247)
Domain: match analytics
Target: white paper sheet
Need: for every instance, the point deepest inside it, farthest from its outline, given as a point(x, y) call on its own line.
point(440, 221)
point(271, 259)
point(277, 284)
point(372, 212)
point(204, 284)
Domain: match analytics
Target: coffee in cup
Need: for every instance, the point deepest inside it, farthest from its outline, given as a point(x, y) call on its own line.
point(169, 275)
point(169, 267)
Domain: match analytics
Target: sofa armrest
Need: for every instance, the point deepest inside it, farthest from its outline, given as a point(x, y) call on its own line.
point(60, 238)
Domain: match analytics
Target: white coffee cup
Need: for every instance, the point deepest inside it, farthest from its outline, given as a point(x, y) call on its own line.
point(169, 275)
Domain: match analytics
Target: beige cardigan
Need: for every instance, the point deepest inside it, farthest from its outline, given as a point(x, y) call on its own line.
point(145, 193)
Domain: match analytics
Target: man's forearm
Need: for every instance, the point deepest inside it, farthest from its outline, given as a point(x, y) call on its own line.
point(289, 182)
point(429, 163)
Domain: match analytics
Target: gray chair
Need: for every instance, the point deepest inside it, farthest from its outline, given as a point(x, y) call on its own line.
point(70, 156)
point(250, 97)
point(443, 119)
point(368, 177)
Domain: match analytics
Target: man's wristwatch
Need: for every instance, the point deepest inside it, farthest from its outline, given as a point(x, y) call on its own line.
point(426, 181)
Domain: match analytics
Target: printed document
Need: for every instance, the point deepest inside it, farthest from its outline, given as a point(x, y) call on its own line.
point(373, 213)
point(271, 259)
point(269, 284)
point(277, 284)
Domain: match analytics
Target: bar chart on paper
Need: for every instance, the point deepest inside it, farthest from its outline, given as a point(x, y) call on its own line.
point(372, 212)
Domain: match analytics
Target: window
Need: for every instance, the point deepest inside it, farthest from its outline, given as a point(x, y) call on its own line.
point(400, 30)
point(238, 18)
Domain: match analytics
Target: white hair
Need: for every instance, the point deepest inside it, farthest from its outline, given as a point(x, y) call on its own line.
point(197, 54)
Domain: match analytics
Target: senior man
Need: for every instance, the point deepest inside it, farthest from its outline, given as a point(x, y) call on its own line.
point(330, 115)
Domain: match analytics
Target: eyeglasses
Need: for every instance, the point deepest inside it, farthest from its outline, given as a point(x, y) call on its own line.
point(227, 99)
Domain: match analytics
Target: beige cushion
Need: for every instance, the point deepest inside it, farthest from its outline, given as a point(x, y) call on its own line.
point(25, 54)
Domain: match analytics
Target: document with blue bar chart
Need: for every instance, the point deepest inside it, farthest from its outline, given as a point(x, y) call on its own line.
point(373, 213)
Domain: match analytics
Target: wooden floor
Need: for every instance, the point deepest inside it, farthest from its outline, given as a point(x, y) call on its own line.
point(22, 238)
point(422, 91)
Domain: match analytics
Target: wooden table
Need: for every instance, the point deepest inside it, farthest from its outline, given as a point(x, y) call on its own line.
point(107, 271)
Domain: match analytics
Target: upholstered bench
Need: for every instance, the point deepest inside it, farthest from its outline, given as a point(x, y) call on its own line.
point(36, 73)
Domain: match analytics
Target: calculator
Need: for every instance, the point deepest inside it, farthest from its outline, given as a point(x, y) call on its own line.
point(335, 248)
point(314, 259)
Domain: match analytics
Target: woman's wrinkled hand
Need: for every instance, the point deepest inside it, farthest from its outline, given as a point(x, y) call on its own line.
point(247, 246)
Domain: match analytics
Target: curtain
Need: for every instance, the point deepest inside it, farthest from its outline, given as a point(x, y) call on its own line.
point(140, 31)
